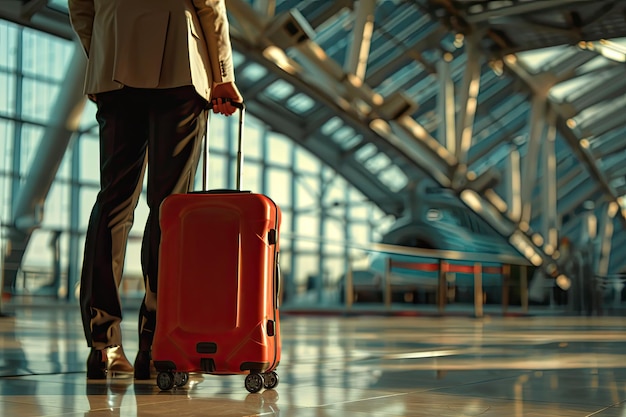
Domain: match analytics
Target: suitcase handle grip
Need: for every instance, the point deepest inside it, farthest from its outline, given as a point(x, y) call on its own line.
point(238, 104)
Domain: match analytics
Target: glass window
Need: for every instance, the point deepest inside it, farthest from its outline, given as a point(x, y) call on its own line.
point(359, 233)
point(57, 207)
point(279, 185)
point(64, 173)
point(332, 125)
point(38, 99)
point(89, 159)
point(335, 194)
point(45, 57)
point(278, 150)
point(218, 139)
point(86, 201)
point(307, 189)
point(217, 172)
point(334, 230)
point(285, 224)
point(300, 103)
point(37, 261)
point(305, 162)
point(7, 98)
point(359, 212)
point(6, 146)
point(334, 268)
point(394, 178)
point(251, 177)
point(308, 225)
point(253, 72)
point(31, 137)
point(8, 42)
point(346, 137)
point(365, 152)
point(279, 90)
point(252, 140)
point(377, 162)
point(141, 217)
point(132, 265)
point(305, 270)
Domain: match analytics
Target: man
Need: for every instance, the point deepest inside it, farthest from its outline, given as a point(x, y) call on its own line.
point(153, 67)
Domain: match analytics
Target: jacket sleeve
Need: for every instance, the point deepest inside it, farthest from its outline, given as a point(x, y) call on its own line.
point(214, 22)
point(81, 17)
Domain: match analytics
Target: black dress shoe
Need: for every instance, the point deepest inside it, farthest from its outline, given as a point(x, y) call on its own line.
point(143, 364)
point(96, 365)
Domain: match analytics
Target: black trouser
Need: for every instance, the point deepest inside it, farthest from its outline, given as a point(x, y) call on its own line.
point(160, 129)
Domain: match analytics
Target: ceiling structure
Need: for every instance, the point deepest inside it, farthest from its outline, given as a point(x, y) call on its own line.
point(518, 107)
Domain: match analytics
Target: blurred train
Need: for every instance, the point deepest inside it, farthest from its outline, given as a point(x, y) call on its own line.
point(439, 221)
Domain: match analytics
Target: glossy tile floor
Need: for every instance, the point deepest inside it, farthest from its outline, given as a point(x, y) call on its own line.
point(338, 365)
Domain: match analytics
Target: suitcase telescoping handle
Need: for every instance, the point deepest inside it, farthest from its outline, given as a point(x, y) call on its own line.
point(205, 151)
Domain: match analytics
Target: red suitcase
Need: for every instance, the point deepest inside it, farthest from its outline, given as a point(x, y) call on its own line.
point(218, 286)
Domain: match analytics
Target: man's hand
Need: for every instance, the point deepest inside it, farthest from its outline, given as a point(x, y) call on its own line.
point(221, 96)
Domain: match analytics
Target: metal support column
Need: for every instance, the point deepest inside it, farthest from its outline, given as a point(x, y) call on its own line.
point(478, 290)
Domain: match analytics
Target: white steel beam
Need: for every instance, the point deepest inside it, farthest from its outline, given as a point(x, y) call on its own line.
point(513, 177)
point(446, 105)
point(530, 163)
point(549, 216)
point(358, 54)
point(605, 237)
point(468, 102)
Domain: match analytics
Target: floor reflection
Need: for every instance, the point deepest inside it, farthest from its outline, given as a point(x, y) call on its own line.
point(341, 366)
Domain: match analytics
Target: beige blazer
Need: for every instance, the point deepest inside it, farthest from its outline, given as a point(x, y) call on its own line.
point(153, 43)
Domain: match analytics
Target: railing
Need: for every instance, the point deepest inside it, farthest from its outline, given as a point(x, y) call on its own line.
point(426, 268)
point(609, 291)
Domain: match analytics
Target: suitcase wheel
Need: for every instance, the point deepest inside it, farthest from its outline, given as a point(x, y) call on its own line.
point(254, 382)
point(168, 380)
point(270, 380)
point(181, 379)
point(165, 380)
